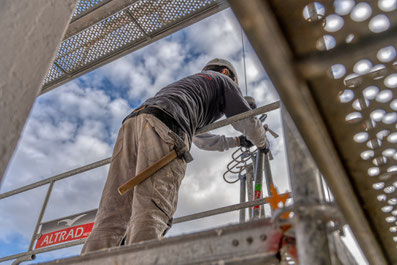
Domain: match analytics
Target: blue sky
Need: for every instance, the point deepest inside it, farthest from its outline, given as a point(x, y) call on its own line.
point(77, 124)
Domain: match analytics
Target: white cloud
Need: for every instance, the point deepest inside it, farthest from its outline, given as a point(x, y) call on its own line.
point(217, 36)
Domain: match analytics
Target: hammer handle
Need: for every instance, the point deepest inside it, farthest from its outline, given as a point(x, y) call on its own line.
point(159, 164)
point(275, 135)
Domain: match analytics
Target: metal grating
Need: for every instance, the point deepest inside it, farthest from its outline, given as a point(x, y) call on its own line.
point(85, 6)
point(347, 52)
point(97, 41)
point(129, 29)
point(155, 15)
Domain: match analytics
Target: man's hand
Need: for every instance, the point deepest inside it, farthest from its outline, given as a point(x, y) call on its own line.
point(266, 148)
point(244, 142)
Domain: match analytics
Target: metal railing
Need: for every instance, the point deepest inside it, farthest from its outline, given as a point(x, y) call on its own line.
point(30, 253)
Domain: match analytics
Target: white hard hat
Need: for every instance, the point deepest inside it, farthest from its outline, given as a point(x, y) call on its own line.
point(222, 62)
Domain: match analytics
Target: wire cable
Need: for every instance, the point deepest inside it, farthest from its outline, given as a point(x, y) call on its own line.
point(244, 66)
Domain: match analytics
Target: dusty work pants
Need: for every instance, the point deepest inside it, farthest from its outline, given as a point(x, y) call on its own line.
point(145, 212)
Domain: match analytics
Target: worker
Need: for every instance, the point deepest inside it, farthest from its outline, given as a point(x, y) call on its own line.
point(214, 142)
point(150, 132)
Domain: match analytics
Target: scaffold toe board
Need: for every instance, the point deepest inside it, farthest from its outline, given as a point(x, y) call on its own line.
point(334, 66)
point(104, 30)
point(254, 242)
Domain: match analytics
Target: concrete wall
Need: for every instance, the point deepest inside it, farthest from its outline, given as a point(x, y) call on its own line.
point(30, 34)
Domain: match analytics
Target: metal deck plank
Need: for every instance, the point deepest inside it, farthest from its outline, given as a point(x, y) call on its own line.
point(249, 243)
point(95, 14)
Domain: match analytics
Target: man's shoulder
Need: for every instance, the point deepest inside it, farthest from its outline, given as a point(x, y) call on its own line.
point(209, 75)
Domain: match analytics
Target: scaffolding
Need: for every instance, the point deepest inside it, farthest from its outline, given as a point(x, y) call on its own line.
point(325, 73)
point(333, 64)
point(102, 31)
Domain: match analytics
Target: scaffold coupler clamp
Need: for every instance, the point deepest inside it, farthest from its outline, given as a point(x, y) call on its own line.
point(327, 212)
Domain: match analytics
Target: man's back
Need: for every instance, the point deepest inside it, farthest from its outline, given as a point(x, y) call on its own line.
point(200, 99)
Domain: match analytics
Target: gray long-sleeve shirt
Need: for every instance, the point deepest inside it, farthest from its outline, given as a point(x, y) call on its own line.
point(200, 99)
point(214, 142)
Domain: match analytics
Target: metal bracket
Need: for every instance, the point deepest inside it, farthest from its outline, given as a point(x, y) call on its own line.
point(326, 212)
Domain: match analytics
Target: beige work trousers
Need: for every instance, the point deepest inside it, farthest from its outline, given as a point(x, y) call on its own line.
point(146, 211)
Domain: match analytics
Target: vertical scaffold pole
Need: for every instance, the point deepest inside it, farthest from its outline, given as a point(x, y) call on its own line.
point(250, 189)
point(243, 184)
point(258, 183)
point(43, 208)
point(268, 177)
point(311, 233)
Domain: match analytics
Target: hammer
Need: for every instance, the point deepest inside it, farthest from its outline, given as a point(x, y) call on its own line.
point(180, 151)
point(266, 127)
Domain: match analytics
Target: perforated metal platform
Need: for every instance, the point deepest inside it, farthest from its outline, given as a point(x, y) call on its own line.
point(103, 30)
point(339, 61)
point(254, 243)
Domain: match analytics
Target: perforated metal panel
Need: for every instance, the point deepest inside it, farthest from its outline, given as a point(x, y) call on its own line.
point(346, 50)
point(155, 15)
point(131, 28)
point(85, 6)
point(97, 41)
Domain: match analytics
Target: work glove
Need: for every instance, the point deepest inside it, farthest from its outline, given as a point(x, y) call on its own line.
point(266, 148)
point(244, 142)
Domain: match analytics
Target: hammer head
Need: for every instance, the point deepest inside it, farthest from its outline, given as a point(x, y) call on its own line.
point(180, 148)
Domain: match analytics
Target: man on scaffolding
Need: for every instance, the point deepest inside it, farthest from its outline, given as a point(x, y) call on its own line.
point(150, 132)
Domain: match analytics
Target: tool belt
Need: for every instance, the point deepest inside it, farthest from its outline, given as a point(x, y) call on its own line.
point(164, 117)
